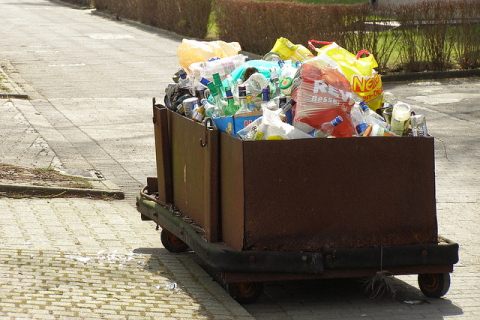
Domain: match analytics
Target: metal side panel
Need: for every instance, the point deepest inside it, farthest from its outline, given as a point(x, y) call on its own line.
point(309, 194)
point(163, 153)
point(232, 191)
point(194, 152)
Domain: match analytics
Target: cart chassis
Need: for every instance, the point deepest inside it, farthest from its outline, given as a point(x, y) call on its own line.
point(256, 266)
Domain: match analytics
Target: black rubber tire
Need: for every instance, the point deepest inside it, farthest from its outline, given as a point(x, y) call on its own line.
point(245, 292)
point(172, 243)
point(434, 285)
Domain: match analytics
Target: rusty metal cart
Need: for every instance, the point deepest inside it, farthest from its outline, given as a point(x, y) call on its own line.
point(298, 209)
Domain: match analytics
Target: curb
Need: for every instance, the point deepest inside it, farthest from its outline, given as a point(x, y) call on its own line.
point(20, 94)
point(431, 75)
point(118, 194)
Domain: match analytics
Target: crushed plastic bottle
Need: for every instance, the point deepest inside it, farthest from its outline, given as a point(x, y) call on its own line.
point(256, 83)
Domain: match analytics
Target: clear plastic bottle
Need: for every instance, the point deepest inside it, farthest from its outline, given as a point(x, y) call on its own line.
point(267, 103)
point(220, 104)
point(377, 131)
point(285, 107)
point(209, 108)
point(250, 105)
point(184, 83)
point(256, 83)
point(327, 128)
point(358, 120)
point(389, 99)
point(242, 99)
point(371, 117)
point(274, 84)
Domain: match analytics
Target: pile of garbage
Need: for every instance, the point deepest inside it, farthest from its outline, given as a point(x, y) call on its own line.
point(289, 94)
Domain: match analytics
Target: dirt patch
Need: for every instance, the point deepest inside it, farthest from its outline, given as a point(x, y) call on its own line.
point(47, 183)
point(40, 177)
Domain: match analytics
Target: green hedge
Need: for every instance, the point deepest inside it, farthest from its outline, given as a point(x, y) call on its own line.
point(431, 35)
point(186, 17)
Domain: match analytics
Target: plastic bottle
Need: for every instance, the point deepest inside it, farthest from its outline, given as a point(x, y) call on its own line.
point(274, 84)
point(231, 106)
point(256, 83)
point(242, 99)
point(285, 107)
point(250, 105)
point(287, 74)
point(209, 108)
point(267, 103)
point(371, 117)
point(327, 128)
point(199, 113)
point(377, 131)
point(389, 99)
point(183, 81)
point(220, 105)
point(218, 85)
point(358, 120)
point(400, 116)
point(189, 105)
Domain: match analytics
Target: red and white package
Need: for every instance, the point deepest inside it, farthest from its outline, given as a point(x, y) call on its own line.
point(324, 94)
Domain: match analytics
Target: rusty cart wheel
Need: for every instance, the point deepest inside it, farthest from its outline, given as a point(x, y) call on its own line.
point(172, 243)
point(434, 285)
point(245, 292)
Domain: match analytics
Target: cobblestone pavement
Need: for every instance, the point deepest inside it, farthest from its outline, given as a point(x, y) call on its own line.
point(90, 81)
point(94, 259)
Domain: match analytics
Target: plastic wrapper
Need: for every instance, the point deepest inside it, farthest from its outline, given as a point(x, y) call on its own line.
point(192, 51)
point(323, 94)
point(222, 66)
point(364, 80)
point(289, 51)
point(270, 127)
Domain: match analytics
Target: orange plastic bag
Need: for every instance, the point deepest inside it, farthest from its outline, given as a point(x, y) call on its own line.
point(191, 51)
point(364, 80)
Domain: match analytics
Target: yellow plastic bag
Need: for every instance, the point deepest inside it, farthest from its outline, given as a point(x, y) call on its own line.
point(364, 80)
point(288, 51)
point(191, 51)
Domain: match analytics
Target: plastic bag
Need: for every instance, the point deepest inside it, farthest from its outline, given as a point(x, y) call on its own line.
point(191, 51)
point(364, 80)
point(222, 66)
point(288, 51)
point(324, 94)
point(262, 66)
point(270, 127)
